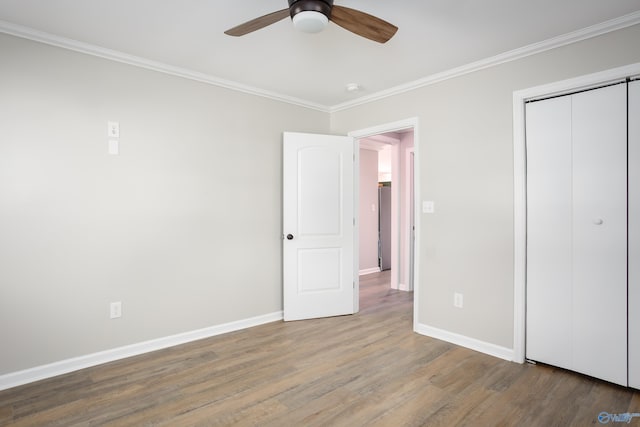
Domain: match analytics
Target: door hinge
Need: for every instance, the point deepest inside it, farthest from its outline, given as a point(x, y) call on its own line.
point(354, 222)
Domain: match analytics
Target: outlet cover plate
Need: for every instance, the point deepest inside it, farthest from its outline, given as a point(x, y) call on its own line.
point(115, 310)
point(458, 300)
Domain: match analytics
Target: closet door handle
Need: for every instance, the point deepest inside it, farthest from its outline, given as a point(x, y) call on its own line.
point(289, 236)
point(598, 221)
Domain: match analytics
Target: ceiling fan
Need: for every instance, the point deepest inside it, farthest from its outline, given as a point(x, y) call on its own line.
point(312, 16)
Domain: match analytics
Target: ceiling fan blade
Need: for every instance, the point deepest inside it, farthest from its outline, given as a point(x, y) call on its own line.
point(256, 24)
point(363, 24)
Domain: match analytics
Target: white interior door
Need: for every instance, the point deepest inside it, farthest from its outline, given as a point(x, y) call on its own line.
point(577, 232)
point(634, 234)
point(318, 225)
point(549, 237)
point(599, 119)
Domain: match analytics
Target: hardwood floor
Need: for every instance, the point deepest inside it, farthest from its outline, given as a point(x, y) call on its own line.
point(369, 369)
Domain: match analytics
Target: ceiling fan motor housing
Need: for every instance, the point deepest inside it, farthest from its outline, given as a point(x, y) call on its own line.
point(322, 6)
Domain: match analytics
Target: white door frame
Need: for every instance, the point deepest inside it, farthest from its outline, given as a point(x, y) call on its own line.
point(411, 123)
point(519, 183)
point(408, 233)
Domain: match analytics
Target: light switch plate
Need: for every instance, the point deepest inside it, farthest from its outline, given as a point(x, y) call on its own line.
point(428, 206)
point(113, 129)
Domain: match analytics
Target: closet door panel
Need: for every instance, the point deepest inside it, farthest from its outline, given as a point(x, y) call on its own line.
point(600, 233)
point(634, 234)
point(548, 336)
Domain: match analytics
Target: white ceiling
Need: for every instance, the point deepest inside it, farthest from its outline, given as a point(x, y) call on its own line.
point(312, 69)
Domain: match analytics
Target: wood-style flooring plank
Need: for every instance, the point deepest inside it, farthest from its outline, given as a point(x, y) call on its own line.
point(369, 369)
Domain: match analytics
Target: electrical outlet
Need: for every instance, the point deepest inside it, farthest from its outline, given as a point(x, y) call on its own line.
point(458, 300)
point(113, 147)
point(115, 310)
point(428, 206)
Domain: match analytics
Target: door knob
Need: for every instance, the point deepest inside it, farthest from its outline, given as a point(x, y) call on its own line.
point(598, 221)
point(289, 236)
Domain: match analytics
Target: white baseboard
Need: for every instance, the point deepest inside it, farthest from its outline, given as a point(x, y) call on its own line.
point(369, 271)
point(26, 376)
point(464, 341)
point(403, 287)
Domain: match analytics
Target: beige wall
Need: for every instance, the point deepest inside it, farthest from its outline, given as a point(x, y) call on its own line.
point(183, 227)
point(466, 167)
point(368, 238)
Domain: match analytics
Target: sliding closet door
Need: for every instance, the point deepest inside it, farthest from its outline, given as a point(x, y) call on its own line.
point(599, 123)
point(634, 234)
point(576, 232)
point(549, 232)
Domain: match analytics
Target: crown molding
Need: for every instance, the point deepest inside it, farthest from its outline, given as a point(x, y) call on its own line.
point(114, 55)
point(512, 55)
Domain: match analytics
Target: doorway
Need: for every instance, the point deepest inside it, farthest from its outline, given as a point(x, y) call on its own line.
point(402, 139)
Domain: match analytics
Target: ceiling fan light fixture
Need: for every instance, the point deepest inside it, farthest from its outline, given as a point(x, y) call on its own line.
point(310, 21)
point(312, 16)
